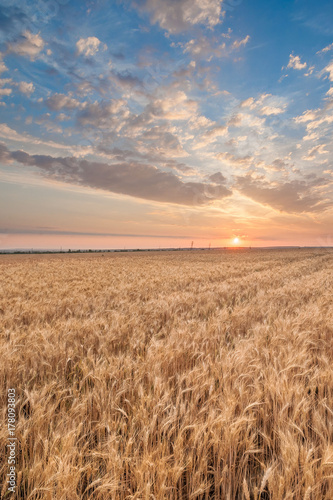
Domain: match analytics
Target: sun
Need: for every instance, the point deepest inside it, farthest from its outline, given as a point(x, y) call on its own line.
point(235, 241)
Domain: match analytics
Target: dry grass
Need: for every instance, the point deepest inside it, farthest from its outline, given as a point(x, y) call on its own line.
point(190, 375)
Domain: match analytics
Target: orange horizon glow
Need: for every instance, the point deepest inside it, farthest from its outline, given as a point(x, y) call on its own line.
point(74, 242)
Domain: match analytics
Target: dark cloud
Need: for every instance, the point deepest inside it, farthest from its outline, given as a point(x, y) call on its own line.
point(5, 155)
point(291, 197)
point(129, 178)
point(126, 79)
point(100, 114)
point(218, 178)
point(279, 165)
point(135, 123)
point(160, 141)
point(58, 102)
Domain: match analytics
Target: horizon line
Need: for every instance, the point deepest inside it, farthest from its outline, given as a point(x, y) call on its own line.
point(163, 249)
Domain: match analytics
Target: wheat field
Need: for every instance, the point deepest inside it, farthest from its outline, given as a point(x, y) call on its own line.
point(169, 375)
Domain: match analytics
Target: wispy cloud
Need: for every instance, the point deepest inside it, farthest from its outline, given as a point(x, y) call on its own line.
point(328, 69)
point(326, 49)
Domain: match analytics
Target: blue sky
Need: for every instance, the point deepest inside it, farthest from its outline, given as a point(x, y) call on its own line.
point(157, 122)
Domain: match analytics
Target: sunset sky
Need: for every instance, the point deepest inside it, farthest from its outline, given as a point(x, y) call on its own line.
point(155, 123)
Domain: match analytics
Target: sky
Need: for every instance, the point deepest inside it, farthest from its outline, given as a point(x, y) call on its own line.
point(155, 123)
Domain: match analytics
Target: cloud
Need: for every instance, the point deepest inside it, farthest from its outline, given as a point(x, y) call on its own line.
point(326, 49)
point(235, 120)
point(48, 123)
point(249, 122)
point(131, 178)
point(271, 110)
point(5, 92)
point(168, 104)
point(3, 67)
point(5, 81)
point(248, 103)
point(328, 69)
point(175, 106)
point(291, 197)
point(314, 136)
point(218, 178)
point(277, 165)
point(235, 161)
point(204, 47)
point(101, 114)
point(310, 71)
point(88, 46)
point(295, 62)
point(176, 16)
point(234, 141)
point(320, 150)
point(316, 118)
point(186, 71)
point(307, 116)
point(28, 45)
point(210, 135)
point(239, 43)
point(160, 141)
point(125, 80)
point(26, 88)
point(198, 122)
point(265, 104)
point(58, 102)
point(162, 154)
point(11, 135)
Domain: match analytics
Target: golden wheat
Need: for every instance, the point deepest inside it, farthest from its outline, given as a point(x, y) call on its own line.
point(169, 375)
